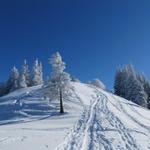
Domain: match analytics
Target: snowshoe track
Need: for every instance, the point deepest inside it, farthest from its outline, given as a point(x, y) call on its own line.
point(88, 134)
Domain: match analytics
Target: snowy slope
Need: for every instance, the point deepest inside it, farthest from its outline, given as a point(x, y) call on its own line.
point(32, 123)
point(109, 122)
point(94, 120)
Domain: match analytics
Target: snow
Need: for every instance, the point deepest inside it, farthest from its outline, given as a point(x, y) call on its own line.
point(94, 120)
point(106, 124)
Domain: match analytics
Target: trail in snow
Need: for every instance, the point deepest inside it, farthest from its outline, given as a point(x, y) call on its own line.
point(94, 127)
point(132, 118)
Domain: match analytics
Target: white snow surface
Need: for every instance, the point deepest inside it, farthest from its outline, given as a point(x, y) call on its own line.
point(93, 120)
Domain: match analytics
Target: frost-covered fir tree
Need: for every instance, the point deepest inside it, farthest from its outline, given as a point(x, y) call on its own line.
point(118, 80)
point(97, 83)
point(41, 72)
point(12, 83)
point(139, 96)
point(37, 77)
point(60, 81)
point(146, 85)
point(22, 81)
point(134, 89)
point(120, 85)
point(129, 77)
point(26, 72)
point(121, 81)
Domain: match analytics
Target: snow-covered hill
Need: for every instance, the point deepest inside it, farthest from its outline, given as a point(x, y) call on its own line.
point(94, 120)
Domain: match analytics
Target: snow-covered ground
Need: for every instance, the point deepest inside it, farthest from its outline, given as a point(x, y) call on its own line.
point(94, 120)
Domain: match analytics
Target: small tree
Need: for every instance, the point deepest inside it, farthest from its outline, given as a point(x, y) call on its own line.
point(12, 83)
point(136, 91)
point(26, 73)
point(22, 81)
point(146, 85)
point(60, 81)
point(118, 82)
point(41, 72)
point(37, 78)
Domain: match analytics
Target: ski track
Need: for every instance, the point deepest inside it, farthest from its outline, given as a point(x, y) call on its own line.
point(132, 118)
point(88, 133)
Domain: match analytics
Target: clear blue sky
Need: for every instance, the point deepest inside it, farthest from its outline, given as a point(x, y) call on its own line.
point(93, 36)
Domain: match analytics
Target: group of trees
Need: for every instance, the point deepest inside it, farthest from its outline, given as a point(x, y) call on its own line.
point(132, 85)
point(128, 83)
point(23, 78)
point(57, 86)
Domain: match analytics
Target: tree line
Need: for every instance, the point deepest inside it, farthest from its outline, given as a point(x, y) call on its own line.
point(23, 78)
point(132, 85)
point(56, 87)
point(128, 84)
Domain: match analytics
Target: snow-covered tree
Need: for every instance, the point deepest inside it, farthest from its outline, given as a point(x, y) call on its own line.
point(41, 72)
point(12, 83)
point(60, 81)
point(97, 83)
point(121, 80)
point(37, 78)
point(26, 72)
point(120, 85)
point(118, 81)
point(22, 81)
point(135, 91)
point(138, 95)
point(146, 85)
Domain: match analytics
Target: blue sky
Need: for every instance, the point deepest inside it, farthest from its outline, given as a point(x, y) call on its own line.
point(93, 36)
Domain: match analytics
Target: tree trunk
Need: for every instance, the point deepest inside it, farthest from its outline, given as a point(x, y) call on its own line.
point(61, 102)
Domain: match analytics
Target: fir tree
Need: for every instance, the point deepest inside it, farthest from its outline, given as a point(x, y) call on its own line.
point(26, 72)
point(12, 83)
point(22, 81)
point(60, 81)
point(37, 78)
